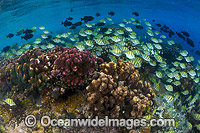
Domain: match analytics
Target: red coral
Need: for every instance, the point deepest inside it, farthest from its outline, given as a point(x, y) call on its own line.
point(74, 66)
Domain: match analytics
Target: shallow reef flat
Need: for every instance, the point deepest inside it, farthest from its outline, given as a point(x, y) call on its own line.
point(126, 70)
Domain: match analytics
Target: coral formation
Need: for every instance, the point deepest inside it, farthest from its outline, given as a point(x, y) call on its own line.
point(52, 72)
point(74, 67)
point(118, 92)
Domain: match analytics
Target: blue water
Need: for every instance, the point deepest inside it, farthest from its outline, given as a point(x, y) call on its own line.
point(177, 14)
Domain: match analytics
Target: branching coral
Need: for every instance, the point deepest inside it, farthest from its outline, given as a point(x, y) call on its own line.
point(74, 67)
point(20, 74)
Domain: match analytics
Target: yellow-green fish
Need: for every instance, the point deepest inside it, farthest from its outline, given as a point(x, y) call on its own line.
point(196, 116)
point(177, 83)
point(189, 125)
point(169, 87)
point(9, 102)
point(169, 98)
point(197, 126)
point(159, 74)
point(130, 55)
point(193, 99)
point(116, 52)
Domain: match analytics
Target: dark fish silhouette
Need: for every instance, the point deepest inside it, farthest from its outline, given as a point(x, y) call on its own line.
point(111, 13)
point(73, 27)
point(87, 18)
point(97, 14)
point(135, 13)
point(27, 31)
point(49, 37)
point(27, 36)
point(69, 18)
point(180, 35)
point(77, 23)
point(71, 10)
point(5, 49)
point(137, 21)
point(171, 33)
point(190, 42)
point(185, 33)
point(100, 24)
point(159, 25)
point(165, 28)
point(10, 35)
point(103, 29)
point(66, 23)
point(197, 52)
point(139, 26)
point(153, 28)
point(153, 20)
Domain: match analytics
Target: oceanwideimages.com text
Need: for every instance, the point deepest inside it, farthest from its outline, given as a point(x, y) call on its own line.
point(46, 121)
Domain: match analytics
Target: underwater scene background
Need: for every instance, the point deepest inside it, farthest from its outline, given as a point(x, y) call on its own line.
point(78, 59)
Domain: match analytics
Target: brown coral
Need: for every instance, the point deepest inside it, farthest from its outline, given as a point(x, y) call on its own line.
point(118, 92)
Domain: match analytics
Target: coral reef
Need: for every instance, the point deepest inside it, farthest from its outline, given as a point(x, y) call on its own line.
point(20, 73)
point(118, 92)
point(40, 76)
point(74, 67)
point(52, 72)
point(5, 67)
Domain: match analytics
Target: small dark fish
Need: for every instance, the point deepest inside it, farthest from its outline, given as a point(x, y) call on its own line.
point(73, 27)
point(69, 18)
point(111, 13)
point(185, 33)
point(78, 23)
point(153, 28)
point(197, 52)
point(98, 14)
point(10, 35)
point(87, 18)
point(171, 33)
point(100, 24)
point(190, 42)
point(103, 29)
point(27, 31)
point(135, 13)
point(66, 23)
point(139, 26)
point(49, 37)
point(159, 25)
point(180, 35)
point(27, 36)
point(71, 10)
point(137, 21)
point(165, 28)
point(153, 20)
point(5, 49)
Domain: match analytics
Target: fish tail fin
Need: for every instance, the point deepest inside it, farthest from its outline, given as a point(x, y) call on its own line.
point(62, 23)
point(81, 19)
point(22, 37)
